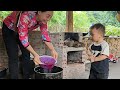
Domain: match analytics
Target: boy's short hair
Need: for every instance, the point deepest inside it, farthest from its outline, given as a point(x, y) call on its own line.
point(99, 27)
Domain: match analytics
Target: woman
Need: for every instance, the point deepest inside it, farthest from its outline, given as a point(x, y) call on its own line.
point(27, 20)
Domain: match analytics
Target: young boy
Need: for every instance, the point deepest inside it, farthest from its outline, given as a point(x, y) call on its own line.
point(98, 53)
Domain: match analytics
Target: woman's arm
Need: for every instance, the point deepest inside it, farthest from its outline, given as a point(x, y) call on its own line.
point(23, 36)
point(51, 48)
point(36, 56)
point(46, 38)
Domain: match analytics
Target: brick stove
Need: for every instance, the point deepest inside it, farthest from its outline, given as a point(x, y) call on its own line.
point(71, 59)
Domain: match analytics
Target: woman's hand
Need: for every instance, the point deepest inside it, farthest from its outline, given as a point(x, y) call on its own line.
point(37, 60)
point(54, 54)
point(36, 56)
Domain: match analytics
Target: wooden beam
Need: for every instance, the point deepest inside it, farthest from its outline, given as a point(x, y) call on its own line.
point(69, 21)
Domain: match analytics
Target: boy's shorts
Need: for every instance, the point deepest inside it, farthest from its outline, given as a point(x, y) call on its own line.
point(100, 69)
point(95, 75)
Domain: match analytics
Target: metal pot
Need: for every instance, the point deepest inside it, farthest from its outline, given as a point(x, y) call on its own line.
point(56, 73)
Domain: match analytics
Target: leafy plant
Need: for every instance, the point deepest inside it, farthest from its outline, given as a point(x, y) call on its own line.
point(82, 20)
point(3, 15)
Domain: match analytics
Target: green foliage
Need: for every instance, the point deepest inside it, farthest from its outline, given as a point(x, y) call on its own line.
point(104, 17)
point(59, 17)
point(112, 30)
point(82, 21)
point(3, 14)
point(107, 18)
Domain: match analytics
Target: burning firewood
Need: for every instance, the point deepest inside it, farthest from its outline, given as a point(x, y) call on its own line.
point(68, 42)
point(71, 43)
point(78, 44)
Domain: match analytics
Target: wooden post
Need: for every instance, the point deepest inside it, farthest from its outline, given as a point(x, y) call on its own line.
point(69, 21)
point(118, 16)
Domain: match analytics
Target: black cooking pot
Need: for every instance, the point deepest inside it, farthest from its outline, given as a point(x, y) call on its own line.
point(56, 73)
